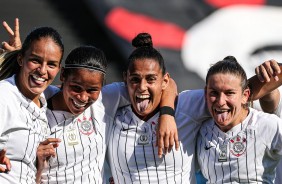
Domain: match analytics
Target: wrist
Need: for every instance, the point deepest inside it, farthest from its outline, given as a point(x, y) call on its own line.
point(166, 110)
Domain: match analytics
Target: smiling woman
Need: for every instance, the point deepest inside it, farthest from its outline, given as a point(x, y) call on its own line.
point(23, 105)
point(239, 144)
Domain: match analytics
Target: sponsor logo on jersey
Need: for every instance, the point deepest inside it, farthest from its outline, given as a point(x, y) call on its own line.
point(238, 145)
point(208, 147)
point(86, 125)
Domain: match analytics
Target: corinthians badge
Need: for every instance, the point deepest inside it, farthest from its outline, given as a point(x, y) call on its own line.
point(86, 125)
point(238, 145)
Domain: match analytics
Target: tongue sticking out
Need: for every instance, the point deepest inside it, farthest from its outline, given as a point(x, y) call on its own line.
point(222, 116)
point(142, 105)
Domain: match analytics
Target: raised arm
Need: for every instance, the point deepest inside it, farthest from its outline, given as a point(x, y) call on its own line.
point(266, 81)
point(14, 42)
point(167, 134)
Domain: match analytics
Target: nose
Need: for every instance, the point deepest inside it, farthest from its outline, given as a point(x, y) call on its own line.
point(221, 100)
point(143, 85)
point(42, 69)
point(83, 96)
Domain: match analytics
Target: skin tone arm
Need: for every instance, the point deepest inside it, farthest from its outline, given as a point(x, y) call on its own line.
point(167, 130)
point(45, 150)
point(268, 74)
point(266, 81)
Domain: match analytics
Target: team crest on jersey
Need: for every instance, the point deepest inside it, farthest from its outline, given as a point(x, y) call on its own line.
point(238, 145)
point(85, 125)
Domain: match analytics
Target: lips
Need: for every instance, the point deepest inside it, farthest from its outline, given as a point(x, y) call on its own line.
point(221, 115)
point(37, 79)
point(142, 101)
point(78, 104)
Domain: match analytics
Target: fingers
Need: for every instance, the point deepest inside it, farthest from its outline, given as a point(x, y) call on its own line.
point(166, 143)
point(176, 141)
point(3, 153)
point(14, 42)
point(7, 47)
point(2, 169)
point(160, 144)
point(267, 70)
point(8, 29)
point(51, 141)
point(45, 151)
point(17, 28)
point(5, 161)
point(47, 148)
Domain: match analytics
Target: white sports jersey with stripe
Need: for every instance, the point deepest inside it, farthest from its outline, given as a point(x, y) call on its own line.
point(133, 156)
point(247, 153)
point(23, 127)
point(81, 153)
point(278, 112)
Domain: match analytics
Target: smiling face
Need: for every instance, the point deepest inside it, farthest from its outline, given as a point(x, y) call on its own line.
point(145, 83)
point(81, 89)
point(226, 99)
point(39, 66)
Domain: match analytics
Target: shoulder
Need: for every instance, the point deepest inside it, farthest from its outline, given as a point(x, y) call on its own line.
point(113, 86)
point(192, 103)
point(265, 120)
point(50, 91)
point(8, 89)
point(191, 96)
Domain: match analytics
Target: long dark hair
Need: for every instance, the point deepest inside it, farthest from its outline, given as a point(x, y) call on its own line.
point(8, 62)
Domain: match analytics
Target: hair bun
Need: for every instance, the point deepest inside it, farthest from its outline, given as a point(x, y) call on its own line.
point(230, 58)
point(142, 40)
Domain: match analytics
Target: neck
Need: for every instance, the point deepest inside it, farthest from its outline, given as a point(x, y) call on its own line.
point(147, 116)
point(58, 102)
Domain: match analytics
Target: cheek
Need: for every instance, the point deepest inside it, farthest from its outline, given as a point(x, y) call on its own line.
point(211, 100)
point(94, 96)
point(53, 72)
point(130, 90)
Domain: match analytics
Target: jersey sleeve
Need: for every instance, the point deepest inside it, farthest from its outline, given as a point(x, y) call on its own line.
point(278, 111)
point(271, 132)
point(114, 95)
point(50, 91)
point(6, 113)
point(192, 103)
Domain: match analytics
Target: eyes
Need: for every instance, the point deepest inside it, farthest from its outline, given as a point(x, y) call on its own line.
point(79, 89)
point(136, 79)
point(214, 93)
point(50, 64)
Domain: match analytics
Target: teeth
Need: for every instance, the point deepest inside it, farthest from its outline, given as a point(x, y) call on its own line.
point(38, 78)
point(79, 105)
point(143, 96)
point(221, 110)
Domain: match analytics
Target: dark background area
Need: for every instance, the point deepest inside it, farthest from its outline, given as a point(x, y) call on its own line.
point(79, 23)
point(71, 18)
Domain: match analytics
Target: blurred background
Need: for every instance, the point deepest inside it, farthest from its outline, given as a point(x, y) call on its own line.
point(190, 34)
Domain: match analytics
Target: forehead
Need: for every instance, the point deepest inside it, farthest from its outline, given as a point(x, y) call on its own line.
point(224, 80)
point(83, 76)
point(144, 66)
point(44, 45)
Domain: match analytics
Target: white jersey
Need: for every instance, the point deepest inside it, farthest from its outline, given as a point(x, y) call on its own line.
point(23, 127)
point(278, 112)
point(132, 153)
point(81, 153)
point(248, 153)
